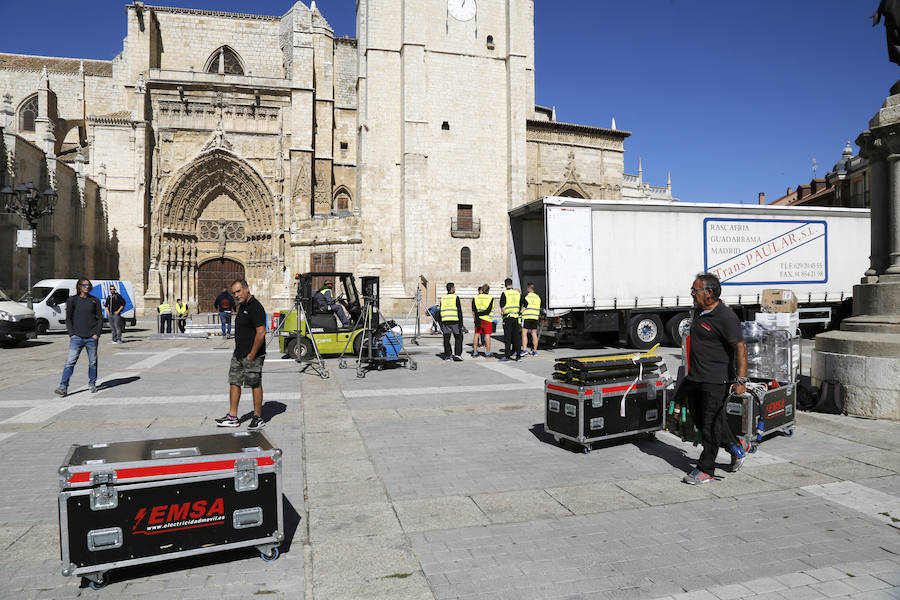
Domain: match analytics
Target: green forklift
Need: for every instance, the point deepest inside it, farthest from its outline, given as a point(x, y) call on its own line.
point(323, 329)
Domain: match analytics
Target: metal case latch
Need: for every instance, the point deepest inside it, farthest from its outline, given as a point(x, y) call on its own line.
point(245, 478)
point(103, 492)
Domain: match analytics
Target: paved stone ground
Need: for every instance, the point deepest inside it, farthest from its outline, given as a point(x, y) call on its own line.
point(440, 483)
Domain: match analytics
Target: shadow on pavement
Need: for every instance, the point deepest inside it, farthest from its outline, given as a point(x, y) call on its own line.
point(271, 410)
point(118, 381)
point(291, 522)
point(25, 344)
point(676, 457)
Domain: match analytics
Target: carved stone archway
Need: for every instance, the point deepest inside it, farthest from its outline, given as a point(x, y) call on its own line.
point(181, 242)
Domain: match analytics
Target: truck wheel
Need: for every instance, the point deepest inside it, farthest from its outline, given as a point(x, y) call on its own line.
point(41, 326)
point(676, 325)
point(644, 331)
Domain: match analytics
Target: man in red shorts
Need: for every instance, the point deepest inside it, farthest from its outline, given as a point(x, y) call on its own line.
point(482, 311)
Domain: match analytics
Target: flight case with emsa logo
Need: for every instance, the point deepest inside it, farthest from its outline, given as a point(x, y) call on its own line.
point(130, 503)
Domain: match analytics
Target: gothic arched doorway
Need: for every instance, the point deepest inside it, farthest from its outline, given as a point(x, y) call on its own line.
point(215, 206)
point(212, 276)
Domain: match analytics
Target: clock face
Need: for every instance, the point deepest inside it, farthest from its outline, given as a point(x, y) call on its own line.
point(462, 10)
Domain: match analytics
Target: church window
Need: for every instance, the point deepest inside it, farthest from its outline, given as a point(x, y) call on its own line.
point(465, 260)
point(570, 193)
point(225, 61)
point(28, 113)
point(445, 126)
point(344, 145)
point(490, 42)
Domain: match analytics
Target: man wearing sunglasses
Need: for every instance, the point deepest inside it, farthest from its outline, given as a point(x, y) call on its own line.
point(715, 356)
point(84, 320)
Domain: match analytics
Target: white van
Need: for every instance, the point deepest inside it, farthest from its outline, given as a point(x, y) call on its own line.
point(48, 297)
point(17, 323)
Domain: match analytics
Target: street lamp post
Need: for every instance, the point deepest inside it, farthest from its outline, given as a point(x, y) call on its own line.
point(30, 204)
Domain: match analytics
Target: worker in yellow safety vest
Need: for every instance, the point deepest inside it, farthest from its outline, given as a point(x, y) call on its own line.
point(483, 313)
point(451, 323)
point(165, 317)
point(512, 336)
point(181, 313)
point(531, 315)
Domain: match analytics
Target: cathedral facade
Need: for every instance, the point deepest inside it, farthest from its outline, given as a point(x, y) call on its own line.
point(234, 145)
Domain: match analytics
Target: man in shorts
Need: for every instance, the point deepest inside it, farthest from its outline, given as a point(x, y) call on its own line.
point(249, 354)
point(482, 312)
point(531, 314)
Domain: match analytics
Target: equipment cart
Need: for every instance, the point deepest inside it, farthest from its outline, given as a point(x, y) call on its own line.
point(132, 503)
point(770, 403)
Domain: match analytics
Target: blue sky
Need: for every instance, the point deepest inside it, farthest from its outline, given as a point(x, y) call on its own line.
point(733, 97)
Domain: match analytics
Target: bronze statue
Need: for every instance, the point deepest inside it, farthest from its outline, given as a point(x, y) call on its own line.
point(890, 10)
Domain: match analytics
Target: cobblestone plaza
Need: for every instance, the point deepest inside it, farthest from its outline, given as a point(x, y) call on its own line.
point(440, 483)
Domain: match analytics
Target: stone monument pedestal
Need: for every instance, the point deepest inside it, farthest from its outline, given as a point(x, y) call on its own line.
point(865, 354)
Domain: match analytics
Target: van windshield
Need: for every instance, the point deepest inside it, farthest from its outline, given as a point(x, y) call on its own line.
point(38, 293)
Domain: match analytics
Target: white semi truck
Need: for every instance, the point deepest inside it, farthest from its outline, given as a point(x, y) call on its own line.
point(627, 266)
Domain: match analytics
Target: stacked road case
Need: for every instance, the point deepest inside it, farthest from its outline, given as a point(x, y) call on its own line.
point(131, 503)
point(597, 398)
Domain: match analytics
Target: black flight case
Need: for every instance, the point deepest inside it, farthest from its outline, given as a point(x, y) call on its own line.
point(762, 411)
point(131, 503)
point(585, 414)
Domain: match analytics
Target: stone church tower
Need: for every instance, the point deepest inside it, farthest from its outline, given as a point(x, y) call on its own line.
point(236, 145)
point(445, 89)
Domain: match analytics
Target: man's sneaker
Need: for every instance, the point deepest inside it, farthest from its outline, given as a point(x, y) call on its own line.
point(534, 352)
point(457, 358)
point(503, 359)
point(228, 421)
point(256, 423)
point(738, 454)
point(94, 388)
point(61, 391)
point(697, 477)
point(448, 357)
point(524, 353)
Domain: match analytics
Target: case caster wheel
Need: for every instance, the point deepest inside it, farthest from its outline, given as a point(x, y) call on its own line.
point(412, 365)
point(651, 435)
point(100, 582)
point(789, 432)
point(342, 364)
point(325, 374)
point(273, 554)
point(753, 448)
point(587, 449)
point(380, 367)
point(360, 374)
point(556, 439)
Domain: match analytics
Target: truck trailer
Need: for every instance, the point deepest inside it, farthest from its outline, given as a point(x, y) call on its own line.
point(626, 266)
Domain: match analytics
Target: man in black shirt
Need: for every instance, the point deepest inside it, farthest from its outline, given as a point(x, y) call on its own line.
point(249, 354)
point(115, 304)
point(84, 320)
point(716, 350)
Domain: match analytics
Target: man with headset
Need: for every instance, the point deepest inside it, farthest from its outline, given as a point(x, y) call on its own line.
point(84, 321)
